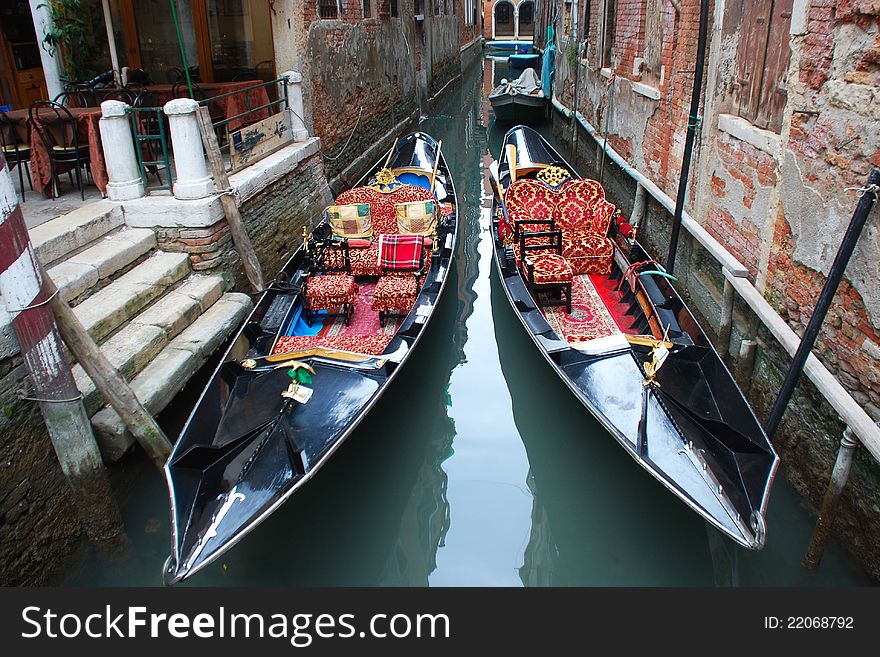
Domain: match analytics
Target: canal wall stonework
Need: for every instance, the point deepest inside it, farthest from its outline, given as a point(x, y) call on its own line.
point(39, 530)
point(773, 180)
point(274, 217)
point(368, 78)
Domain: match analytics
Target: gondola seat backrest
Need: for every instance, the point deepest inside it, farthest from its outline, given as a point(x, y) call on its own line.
point(578, 208)
point(383, 216)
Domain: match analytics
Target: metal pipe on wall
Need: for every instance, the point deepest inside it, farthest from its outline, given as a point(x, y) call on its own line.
point(693, 122)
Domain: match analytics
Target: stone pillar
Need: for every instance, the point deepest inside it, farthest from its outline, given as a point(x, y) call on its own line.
point(122, 166)
point(295, 101)
point(42, 24)
point(516, 22)
point(192, 180)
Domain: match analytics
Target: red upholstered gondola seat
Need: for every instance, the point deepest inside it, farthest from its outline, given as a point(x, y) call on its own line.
point(365, 260)
point(578, 208)
point(584, 216)
point(549, 268)
point(330, 291)
point(395, 292)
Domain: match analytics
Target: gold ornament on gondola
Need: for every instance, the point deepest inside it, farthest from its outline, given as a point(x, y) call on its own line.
point(553, 175)
point(385, 181)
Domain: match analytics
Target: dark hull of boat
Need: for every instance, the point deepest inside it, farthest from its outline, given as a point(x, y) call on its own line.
point(694, 432)
point(244, 449)
point(518, 108)
point(520, 62)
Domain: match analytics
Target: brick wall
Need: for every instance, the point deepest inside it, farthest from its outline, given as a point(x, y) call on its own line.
point(363, 77)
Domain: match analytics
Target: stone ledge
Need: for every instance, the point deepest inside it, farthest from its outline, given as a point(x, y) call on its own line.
point(646, 90)
point(763, 140)
point(153, 211)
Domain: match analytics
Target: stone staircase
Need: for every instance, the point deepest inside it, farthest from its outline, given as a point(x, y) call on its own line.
point(156, 320)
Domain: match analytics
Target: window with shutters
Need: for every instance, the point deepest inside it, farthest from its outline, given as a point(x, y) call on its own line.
point(759, 89)
point(328, 9)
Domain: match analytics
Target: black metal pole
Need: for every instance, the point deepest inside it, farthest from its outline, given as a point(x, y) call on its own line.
point(691, 134)
point(847, 246)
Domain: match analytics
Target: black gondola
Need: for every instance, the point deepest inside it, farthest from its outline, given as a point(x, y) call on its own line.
point(297, 379)
point(608, 320)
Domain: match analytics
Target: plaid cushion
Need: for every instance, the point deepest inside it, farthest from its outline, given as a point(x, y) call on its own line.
point(350, 220)
point(417, 217)
point(400, 252)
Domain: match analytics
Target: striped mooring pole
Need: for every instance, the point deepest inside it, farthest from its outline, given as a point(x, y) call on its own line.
point(54, 389)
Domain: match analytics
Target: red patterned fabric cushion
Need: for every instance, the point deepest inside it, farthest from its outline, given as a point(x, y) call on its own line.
point(330, 291)
point(395, 292)
point(580, 210)
point(382, 213)
point(530, 199)
point(363, 261)
point(361, 344)
point(588, 254)
point(403, 252)
point(549, 268)
point(381, 207)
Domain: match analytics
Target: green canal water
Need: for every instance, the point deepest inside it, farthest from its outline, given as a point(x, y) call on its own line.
point(476, 467)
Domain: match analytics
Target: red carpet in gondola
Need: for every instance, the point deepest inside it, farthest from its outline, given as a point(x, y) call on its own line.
point(589, 318)
point(606, 287)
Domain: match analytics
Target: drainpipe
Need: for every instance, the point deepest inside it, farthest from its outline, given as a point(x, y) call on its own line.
point(693, 122)
point(51, 70)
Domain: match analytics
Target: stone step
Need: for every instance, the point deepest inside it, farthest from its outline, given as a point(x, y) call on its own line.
point(56, 238)
point(131, 348)
point(106, 256)
point(120, 301)
point(164, 377)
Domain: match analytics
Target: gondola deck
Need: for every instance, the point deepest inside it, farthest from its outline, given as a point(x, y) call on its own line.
point(627, 348)
point(250, 443)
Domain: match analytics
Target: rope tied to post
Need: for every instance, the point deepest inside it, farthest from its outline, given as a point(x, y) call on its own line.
point(861, 191)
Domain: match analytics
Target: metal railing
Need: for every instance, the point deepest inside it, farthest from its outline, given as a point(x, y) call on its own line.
point(150, 130)
point(277, 100)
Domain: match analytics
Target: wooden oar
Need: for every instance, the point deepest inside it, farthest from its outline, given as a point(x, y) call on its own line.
point(436, 164)
point(511, 162)
point(390, 153)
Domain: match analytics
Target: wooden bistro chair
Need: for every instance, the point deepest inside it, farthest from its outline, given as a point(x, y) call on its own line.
point(401, 261)
point(17, 154)
point(61, 151)
point(544, 268)
point(330, 286)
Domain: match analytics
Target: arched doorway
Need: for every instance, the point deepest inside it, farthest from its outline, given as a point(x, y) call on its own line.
point(526, 18)
point(503, 24)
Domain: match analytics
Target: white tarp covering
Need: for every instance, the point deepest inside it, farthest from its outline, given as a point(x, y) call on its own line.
point(527, 83)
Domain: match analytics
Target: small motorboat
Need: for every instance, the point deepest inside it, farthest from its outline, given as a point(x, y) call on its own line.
point(519, 100)
point(322, 344)
point(608, 320)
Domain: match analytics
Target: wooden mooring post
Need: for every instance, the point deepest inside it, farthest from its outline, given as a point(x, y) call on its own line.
point(108, 380)
point(53, 386)
point(233, 217)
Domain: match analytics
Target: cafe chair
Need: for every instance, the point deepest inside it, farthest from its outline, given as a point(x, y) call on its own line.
point(74, 98)
point(17, 154)
point(57, 130)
